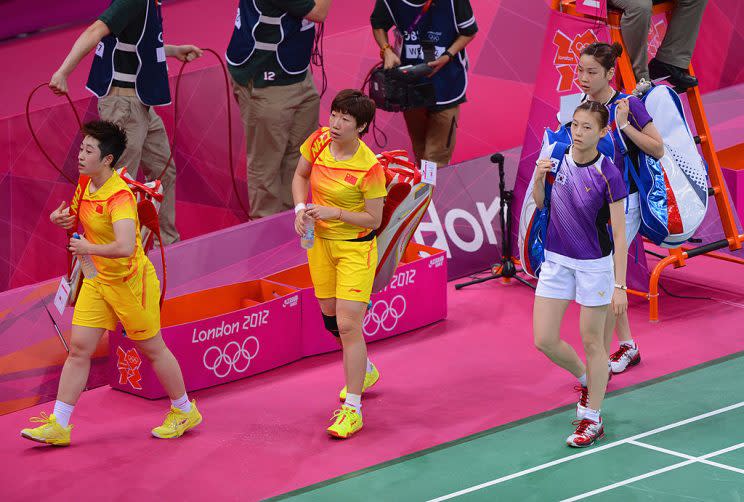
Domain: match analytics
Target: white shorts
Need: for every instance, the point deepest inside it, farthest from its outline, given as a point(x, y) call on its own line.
point(632, 217)
point(588, 288)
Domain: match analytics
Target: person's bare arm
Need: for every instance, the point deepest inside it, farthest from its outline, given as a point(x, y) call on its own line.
point(125, 234)
point(620, 256)
point(649, 139)
point(542, 168)
point(458, 45)
point(319, 12)
point(300, 187)
point(185, 53)
point(389, 57)
point(85, 43)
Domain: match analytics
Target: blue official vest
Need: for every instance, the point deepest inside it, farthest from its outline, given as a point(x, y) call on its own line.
point(439, 26)
point(151, 79)
point(292, 48)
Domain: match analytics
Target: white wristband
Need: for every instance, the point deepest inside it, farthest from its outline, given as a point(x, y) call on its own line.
point(620, 286)
point(299, 207)
point(623, 126)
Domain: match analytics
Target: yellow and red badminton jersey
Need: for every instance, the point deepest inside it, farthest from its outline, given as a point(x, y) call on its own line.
point(112, 202)
point(344, 184)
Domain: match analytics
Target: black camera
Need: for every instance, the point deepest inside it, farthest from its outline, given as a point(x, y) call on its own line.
point(402, 88)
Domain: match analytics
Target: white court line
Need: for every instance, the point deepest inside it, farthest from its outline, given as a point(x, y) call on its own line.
point(702, 459)
point(631, 480)
point(587, 452)
point(728, 302)
point(691, 460)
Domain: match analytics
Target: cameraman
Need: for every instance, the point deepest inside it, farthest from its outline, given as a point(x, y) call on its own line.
point(268, 58)
point(435, 32)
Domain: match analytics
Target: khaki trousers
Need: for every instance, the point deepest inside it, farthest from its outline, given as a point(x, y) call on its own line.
point(433, 134)
point(147, 144)
point(680, 38)
point(277, 120)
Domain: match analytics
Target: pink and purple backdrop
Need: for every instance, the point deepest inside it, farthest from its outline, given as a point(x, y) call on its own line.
point(505, 60)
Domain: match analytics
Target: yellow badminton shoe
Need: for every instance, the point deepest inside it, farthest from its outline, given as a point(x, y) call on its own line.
point(177, 422)
point(346, 422)
point(49, 432)
point(370, 379)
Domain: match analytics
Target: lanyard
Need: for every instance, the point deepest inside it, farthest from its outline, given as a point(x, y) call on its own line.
point(420, 15)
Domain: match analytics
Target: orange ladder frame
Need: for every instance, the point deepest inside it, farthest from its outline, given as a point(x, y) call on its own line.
point(626, 80)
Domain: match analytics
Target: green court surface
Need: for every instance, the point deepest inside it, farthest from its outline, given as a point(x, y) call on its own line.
point(680, 437)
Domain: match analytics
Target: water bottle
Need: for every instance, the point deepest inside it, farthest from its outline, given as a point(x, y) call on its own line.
point(307, 240)
point(86, 263)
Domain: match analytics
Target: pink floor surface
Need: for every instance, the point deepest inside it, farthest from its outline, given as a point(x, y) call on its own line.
point(265, 435)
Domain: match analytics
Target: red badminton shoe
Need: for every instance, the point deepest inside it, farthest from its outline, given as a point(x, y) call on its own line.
point(625, 357)
point(586, 434)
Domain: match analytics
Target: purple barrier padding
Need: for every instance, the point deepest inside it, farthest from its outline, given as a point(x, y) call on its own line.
point(493, 119)
point(21, 17)
point(710, 230)
point(463, 217)
point(725, 106)
point(31, 351)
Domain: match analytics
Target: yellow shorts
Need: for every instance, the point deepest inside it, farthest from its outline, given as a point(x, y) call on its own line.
point(343, 269)
point(135, 302)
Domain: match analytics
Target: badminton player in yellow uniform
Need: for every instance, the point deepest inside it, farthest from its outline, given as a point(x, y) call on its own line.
point(347, 186)
point(125, 288)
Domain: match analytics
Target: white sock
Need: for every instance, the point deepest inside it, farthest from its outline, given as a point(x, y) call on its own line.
point(370, 366)
point(592, 415)
point(182, 403)
point(354, 401)
point(630, 343)
point(63, 412)
point(582, 380)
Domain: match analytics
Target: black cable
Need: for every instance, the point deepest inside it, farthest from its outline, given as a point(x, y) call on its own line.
point(684, 297)
point(365, 88)
point(317, 57)
point(660, 256)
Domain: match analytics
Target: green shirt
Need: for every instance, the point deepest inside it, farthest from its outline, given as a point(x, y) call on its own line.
point(262, 68)
point(126, 20)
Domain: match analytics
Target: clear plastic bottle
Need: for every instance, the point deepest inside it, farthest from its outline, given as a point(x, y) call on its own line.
point(86, 263)
point(307, 240)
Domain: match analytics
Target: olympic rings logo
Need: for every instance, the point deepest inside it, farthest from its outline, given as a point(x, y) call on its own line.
point(384, 315)
point(233, 356)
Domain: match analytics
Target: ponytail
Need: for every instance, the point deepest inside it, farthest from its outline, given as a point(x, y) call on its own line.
point(605, 54)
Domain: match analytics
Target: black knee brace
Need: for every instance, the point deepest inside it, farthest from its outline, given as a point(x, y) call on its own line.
point(331, 324)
